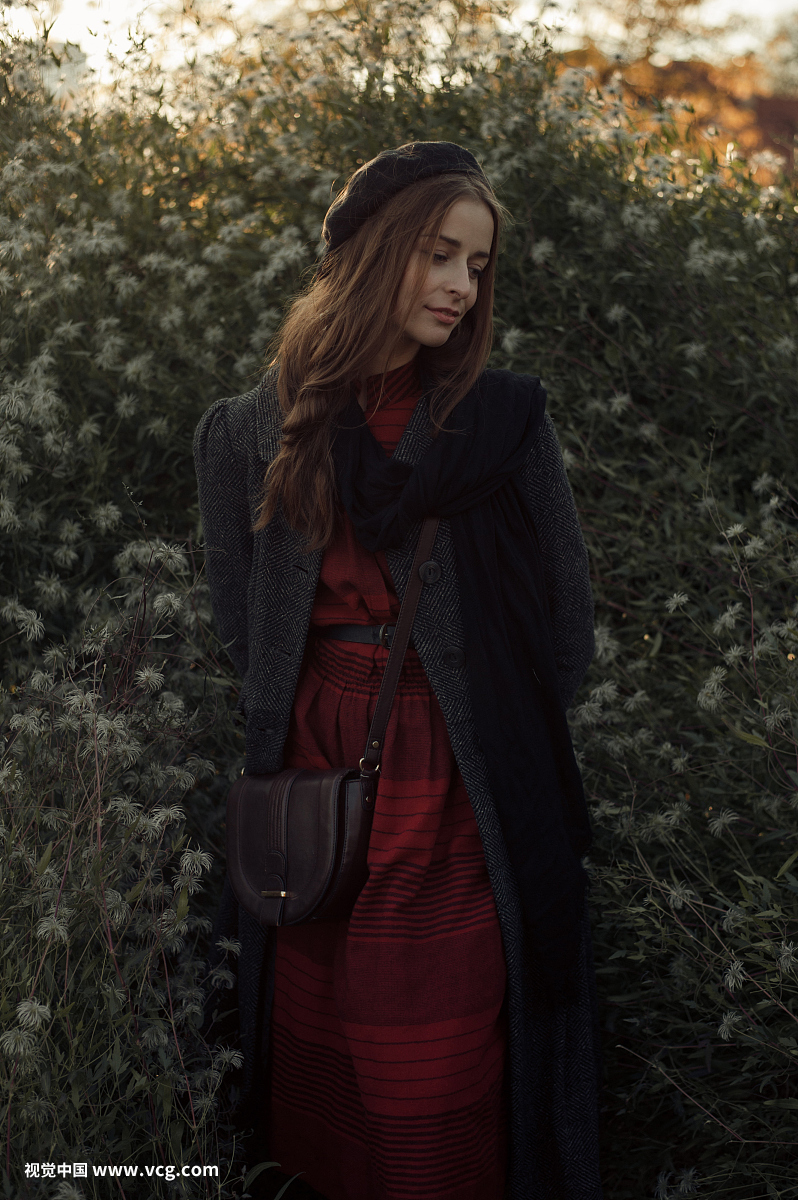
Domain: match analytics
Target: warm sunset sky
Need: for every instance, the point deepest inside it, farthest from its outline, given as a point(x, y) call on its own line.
point(89, 22)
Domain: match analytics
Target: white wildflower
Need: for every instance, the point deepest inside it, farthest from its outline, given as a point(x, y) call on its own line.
point(641, 220)
point(735, 975)
point(118, 908)
point(195, 275)
point(688, 1181)
point(54, 926)
point(734, 917)
point(108, 355)
point(18, 1043)
point(788, 960)
point(105, 516)
point(127, 809)
point(679, 763)
point(65, 557)
point(778, 719)
point(154, 1036)
point(126, 406)
point(159, 262)
point(605, 693)
point(635, 702)
point(171, 556)
point(227, 1058)
point(662, 1191)
point(67, 331)
point(680, 894)
point(39, 681)
point(149, 678)
point(734, 530)
point(139, 368)
point(512, 339)
point(9, 518)
point(229, 946)
point(26, 620)
point(70, 531)
point(722, 821)
point(616, 314)
point(158, 428)
point(734, 655)
point(711, 694)
point(677, 600)
point(762, 483)
point(727, 620)
point(695, 351)
point(216, 253)
point(222, 977)
point(167, 604)
point(31, 1014)
point(246, 365)
point(87, 430)
point(214, 335)
point(729, 1023)
point(194, 862)
point(51, 593)
point(126, 285)
point(542, 251)
point(172, 318)
point(79, 700)
point(755, 545)
point(607, 646)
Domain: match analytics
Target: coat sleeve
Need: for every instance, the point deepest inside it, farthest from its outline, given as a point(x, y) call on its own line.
point(221, 467)
point(565, 559)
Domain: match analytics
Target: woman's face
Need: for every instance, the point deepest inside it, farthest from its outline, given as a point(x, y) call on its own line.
point(450, 289)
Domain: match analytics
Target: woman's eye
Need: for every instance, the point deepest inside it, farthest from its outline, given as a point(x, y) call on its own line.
point(475, 272)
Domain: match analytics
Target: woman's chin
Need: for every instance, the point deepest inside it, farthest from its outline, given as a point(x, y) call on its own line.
point(438, 337)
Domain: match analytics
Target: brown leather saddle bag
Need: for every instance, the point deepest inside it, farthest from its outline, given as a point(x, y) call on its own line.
point(297, 840)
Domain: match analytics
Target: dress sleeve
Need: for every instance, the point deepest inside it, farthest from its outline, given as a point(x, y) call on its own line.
point(227, 526)
point(565, 558)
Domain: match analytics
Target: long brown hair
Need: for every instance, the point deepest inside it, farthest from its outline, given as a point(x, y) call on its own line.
point(342, 321)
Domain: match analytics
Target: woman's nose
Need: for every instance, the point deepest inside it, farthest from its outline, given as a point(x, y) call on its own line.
point(459, 281)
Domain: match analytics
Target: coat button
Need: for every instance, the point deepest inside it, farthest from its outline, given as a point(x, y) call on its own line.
point(453, 656)
point(430, 571)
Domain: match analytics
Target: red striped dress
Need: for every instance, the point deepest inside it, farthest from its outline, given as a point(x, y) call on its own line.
point(388, 1037)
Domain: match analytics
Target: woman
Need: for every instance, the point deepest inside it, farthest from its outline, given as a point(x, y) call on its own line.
point(442, 1041)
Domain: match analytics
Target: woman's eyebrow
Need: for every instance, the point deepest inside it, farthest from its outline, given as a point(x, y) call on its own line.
point(457, 244)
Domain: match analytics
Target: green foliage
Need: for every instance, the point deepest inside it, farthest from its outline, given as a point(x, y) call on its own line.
point(148, 250)
point(100, 997)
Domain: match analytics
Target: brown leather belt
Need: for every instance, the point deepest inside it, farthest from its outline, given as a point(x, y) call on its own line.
point(374, 635)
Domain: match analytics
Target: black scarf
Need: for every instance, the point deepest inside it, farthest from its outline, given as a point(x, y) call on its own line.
point(472, 479)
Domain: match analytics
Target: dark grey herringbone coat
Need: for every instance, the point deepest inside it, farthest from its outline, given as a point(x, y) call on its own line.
point(262, 590)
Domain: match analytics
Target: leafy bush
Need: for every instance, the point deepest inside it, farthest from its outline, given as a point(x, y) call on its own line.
point(149, 246)
point(101, 998)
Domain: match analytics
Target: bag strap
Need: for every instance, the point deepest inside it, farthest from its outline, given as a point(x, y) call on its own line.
point(370, 762)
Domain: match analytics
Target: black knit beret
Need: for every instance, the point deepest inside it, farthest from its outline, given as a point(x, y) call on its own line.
point(385, 176)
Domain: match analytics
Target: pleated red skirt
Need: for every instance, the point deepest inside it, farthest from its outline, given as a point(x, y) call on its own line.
point(388, 1034)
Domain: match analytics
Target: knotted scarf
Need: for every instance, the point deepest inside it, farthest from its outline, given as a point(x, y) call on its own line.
point(471, 476)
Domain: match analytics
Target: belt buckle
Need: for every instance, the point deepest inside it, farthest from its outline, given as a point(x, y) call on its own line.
point(383, 635)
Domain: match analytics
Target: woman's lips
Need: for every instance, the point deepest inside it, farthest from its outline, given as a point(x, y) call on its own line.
point(444, 317)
